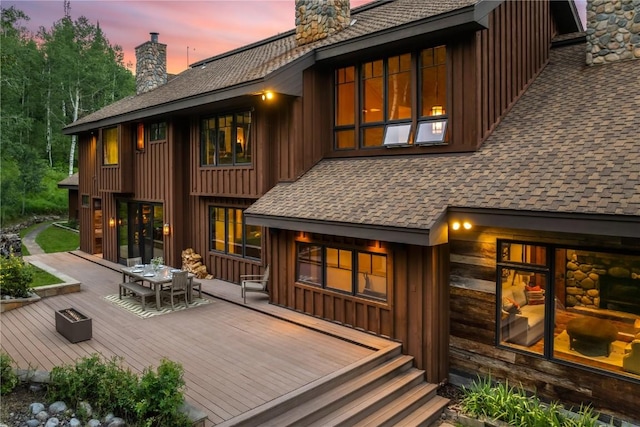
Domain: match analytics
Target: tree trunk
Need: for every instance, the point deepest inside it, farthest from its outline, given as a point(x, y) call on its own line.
point(75, 101)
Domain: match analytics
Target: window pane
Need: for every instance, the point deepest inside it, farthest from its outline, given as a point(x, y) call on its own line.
point(140, 137)
point(372, 92)
point(123, 229)
point(431, 132)
point(253, 244)
point(372, 275)
point(433, 81)
point(522, 318)
point(345, 139)
point(110, 144)
point(345, 97)
point(208, 142)
point(597, 314)
point(243, 138)
point(527, 254)
point(372, 136)
point(309, 264)
point(397, 134)
point(399, 90)
point(218, 229)
point(225, 153)
point(339, 271)
point(235, 231)
point(158, 131)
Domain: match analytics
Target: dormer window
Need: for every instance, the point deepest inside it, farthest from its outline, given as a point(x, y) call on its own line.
point(375, 102)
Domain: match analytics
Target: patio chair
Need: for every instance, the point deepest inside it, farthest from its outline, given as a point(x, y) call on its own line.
point(133, 262)
point(179, 286)
point(254, 283)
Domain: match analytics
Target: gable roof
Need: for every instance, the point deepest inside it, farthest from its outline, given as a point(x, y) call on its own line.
point(569, 146)
point(71, 182)
point(260, 66)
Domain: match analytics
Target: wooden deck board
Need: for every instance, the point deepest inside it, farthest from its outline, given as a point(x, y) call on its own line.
point(235, 357)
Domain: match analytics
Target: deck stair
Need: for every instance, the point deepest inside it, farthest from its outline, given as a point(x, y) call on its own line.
point(382, 390)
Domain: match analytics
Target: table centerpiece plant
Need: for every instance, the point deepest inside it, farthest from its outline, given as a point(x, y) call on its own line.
point(157, 262)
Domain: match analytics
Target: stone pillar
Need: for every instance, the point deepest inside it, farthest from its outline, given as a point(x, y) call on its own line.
point(317, 19)
point(151, 65)
point(613, 30)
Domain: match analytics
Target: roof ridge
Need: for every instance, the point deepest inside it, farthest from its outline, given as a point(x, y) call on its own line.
point(271, 39)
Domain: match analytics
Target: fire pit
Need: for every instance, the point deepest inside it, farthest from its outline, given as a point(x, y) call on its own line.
point(73, 325)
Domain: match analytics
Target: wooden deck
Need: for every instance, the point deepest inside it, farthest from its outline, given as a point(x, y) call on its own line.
point(236, 357)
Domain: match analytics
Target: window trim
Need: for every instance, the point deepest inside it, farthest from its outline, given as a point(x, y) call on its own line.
point(354, 292)
point(549, 269)
point(249, 138)
point(243, 225)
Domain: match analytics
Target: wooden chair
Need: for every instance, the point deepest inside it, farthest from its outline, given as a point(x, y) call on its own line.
point(254, 283)
point(179, 286)
point(133, 262)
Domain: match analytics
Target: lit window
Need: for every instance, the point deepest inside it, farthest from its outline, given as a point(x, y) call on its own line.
point(140, 137)
point(229, 233)
point(431, 132)
point(226, 140)
point(110, 146)
point(397, 135)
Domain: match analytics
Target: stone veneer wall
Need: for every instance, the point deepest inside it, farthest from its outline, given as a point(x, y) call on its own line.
point(151, 65)
point(317, 19)
point(613, 30)
point(584, 272)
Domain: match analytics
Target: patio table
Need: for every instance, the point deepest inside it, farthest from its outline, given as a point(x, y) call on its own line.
point(156, 278)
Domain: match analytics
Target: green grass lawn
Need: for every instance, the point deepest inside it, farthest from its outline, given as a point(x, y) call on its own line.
point(42, 278)
point(56, 239)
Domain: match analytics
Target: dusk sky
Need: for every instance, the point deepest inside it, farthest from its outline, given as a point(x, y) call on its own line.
point(207, 28)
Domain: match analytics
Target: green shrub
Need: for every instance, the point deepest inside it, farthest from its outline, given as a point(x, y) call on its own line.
point(517, 408)
point(160, 396)
point(8, 377)
point(153, 400)
point(15, 277)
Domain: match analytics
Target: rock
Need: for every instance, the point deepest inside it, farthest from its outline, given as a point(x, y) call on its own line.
point(619, 272)
point(10, 243)
point(94, 423)
point(579, 276)
point(593, 293)
point(42, 416)
point(588, 283)
point(117, 422)
point(33, 423)
point(572, 266)
point(36, 407)
point(57, 407)
point(585, 268)
point(85, 409)
point(574, 291)
point(74, 422)
point(52, 422)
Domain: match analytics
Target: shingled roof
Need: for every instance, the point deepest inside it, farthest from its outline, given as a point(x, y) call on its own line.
point(245, 70)
point(570, 145)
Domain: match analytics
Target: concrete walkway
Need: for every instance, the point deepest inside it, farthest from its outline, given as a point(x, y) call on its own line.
point(29, 240)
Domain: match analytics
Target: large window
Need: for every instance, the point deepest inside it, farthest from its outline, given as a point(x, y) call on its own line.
point(572, 304)
point(226, 139)
point(230, 235)
point(343, 270)
point(110, 146)
point(374, 101)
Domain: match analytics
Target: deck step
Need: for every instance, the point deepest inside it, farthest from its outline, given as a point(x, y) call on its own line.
point(306, 411)
point(403, 407)
point(376, 399)
point(425, 415)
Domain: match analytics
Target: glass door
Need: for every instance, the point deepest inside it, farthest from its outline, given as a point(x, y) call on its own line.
point(140, 230)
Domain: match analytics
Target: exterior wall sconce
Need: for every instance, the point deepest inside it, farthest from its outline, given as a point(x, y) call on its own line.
point(166, 229)
point(112, 222)
point(456, 225)
point(267, 96)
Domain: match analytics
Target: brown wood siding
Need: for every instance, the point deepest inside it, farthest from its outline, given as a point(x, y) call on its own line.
point(473, 329)
point(87, 185)
point(509, 54)
point(117, 178)
point(413, 314)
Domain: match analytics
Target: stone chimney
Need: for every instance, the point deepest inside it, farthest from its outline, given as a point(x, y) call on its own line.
point(613, 30)
point(151, 65)
point(317, 19)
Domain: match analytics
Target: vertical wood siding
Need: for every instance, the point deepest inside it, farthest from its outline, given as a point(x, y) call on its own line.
point(473, 328)
point(87, 185)
point(413, 314)
point(509, 54)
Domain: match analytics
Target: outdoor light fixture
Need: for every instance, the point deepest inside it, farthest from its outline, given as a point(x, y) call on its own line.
point(455, 225)
point(166, 229)
point(112, 222)
point(267, 96)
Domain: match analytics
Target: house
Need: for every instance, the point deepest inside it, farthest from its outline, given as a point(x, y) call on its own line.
point(461, 176)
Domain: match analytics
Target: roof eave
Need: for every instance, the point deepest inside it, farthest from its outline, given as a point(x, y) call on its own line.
point(286, 80)
point(469, 18)
point(358, 231)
